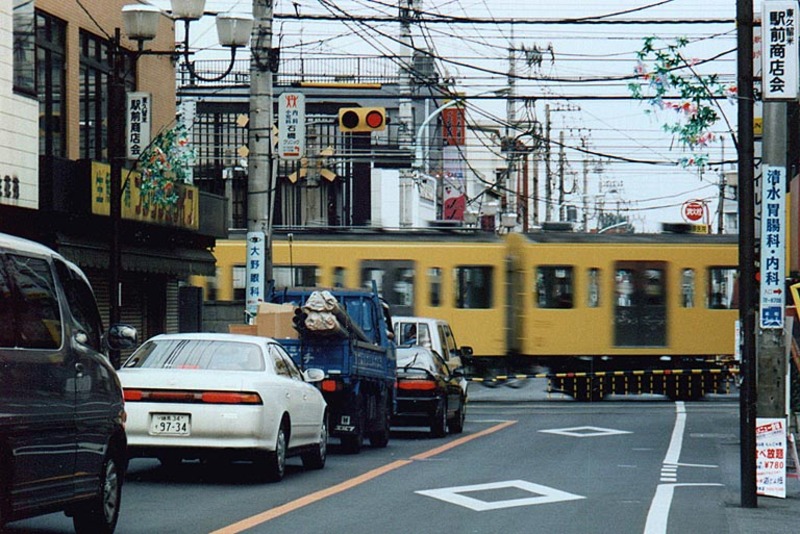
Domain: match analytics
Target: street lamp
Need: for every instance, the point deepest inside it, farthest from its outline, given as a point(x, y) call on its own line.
point(141, 24)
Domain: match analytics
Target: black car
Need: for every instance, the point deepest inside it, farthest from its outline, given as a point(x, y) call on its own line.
point(428, 393)
point(62, 440)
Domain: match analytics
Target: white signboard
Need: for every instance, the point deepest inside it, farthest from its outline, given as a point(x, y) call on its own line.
point(773, 248)
point(291, 125)
point(138, 115)
point(771, 457)
point(779, 52)
point(256, 262)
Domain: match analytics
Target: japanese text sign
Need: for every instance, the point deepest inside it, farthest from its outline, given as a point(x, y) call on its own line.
point(291, 125)
point(771, 457)
point(138, 119)
point(773, 248)
point(779, 50)
point(255, 269)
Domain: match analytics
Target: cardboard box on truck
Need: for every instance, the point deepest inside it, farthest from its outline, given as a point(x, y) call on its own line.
point(275, 320)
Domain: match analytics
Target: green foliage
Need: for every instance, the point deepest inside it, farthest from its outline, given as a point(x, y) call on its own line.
point(165, 162)
point(668, 81)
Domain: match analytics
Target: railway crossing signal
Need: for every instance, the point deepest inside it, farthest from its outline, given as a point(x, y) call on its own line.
point(362, 119)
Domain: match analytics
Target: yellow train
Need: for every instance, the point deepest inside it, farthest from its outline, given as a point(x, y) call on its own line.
point(597, 305)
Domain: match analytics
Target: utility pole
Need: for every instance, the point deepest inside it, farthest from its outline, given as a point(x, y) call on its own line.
point(535, 154)
point(747, 304)
point(260, 163)
point(562, 163)
point(548, 179)
point(511, 190)
point(405, 133)
point(585, 185)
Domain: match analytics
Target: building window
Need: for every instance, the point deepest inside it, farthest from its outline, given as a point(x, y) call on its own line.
point(554, 287)
point(50, 84)
point(473, 285)
point(24, 48)
point(95, 79)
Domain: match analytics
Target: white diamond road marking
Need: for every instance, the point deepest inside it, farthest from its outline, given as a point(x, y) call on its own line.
point(544, 495)
point(585, 431)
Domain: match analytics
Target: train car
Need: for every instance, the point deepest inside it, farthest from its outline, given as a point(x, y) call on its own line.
point(662, 305)
point(455, 275)
point(582, 307)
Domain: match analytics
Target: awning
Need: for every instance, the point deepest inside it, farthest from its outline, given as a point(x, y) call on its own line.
point(177, 261)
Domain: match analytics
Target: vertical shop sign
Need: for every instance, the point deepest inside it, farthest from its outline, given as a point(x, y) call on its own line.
point(779, 50)
point(773, 248)
point(771, 457)
point(291, 126)
point(137, 130)
point(255, 271)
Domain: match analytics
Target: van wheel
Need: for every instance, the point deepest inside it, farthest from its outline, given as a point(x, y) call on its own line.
point(100, 515)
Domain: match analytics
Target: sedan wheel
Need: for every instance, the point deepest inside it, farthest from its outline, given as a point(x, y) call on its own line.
point(101, 514)
point(315, 459)
point(456, 426)
point(439, 421)
point(275, 463)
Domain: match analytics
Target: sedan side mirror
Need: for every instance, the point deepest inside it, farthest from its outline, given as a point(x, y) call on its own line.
point(313, 375)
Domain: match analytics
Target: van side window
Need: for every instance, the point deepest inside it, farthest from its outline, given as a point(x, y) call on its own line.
point(6, 309)
point(35, 303)
point(81, 302)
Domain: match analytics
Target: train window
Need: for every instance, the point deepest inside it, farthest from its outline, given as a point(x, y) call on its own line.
point(722, 288)
point(239, 282)
point(338, 277)
point(593, 296)
point(687, 288)
point(395, 282)
point(624, 284)
point(473, 285)
point(435, 285)
point(305, 276)
point(554, 286)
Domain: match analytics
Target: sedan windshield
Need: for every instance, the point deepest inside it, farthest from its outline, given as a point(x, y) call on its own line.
point(198, 354)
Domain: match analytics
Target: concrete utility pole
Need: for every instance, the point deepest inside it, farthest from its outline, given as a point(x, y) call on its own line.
point(511, 190)
point(548, 178)
point(405, 116)
point(260, 162)
point(771, 345)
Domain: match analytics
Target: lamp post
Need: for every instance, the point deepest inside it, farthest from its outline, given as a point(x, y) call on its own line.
point(141, 24)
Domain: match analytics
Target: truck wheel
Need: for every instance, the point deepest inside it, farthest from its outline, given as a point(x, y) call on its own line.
point(315, 459)
point(439, 420)
point(380, 438)
point(99, 516)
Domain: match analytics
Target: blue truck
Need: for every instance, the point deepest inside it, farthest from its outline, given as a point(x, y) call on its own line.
point(357, 353)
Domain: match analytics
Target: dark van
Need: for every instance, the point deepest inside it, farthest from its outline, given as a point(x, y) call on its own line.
point(62, 440)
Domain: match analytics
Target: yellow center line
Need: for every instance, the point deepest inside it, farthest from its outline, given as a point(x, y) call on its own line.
point(311, 498)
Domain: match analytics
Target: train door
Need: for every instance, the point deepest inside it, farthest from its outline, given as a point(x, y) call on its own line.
point(640, 304)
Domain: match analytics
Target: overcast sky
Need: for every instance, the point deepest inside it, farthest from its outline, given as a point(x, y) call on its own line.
point(575, 55)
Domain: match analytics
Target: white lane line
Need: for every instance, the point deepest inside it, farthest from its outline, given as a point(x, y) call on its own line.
point(676, 443)
point(658, 515)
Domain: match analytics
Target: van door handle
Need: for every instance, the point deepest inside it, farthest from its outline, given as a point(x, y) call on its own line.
point(79, 369)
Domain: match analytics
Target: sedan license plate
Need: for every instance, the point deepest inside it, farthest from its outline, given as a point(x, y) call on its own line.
point(170, 424)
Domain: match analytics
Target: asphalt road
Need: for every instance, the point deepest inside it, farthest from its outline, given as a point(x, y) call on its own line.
point(624, 466)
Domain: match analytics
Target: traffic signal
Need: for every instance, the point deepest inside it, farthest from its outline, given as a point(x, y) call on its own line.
point(362, 119)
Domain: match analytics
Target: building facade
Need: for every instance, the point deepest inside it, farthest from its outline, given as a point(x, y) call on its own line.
point(57, 65)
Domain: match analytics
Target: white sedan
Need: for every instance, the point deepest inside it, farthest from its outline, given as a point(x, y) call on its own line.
point(190, 396)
